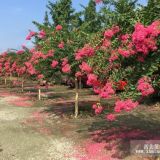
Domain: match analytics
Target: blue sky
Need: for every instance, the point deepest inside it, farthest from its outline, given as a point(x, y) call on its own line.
point(16, 18)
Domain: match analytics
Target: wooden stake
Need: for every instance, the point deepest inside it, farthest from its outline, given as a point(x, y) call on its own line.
point(39, 94)
point(76, 98)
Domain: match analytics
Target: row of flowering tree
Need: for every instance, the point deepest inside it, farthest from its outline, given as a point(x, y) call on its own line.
point(111, 59)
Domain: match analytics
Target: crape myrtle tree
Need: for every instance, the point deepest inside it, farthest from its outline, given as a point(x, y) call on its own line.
point(132, 56)
point(58, 47)
point(63, 37)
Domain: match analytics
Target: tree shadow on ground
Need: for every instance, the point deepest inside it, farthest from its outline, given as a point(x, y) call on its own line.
point(138, 125)
point(64, 108)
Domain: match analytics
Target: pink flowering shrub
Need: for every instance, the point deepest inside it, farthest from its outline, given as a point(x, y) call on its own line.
point(121, 57)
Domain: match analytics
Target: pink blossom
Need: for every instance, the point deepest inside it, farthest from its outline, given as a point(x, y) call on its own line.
point(144, 38)
point(115, 29)
point(108, 33)
point(97, 89)
point(58, 27)
point(106, 43)
point(66, 68)
point(145, 87)
point(42, 34)
point(30, 69)
point(126, 52)
point(98, 1)
point(113, 57)
point(98, 108)
point(61, 45)
point(54, 64)
point(64, 61)
point(30, 35)
point(40, 76)
point(20, 52)
point(126, 105)
point(107, 91)
point(78, 74)
point(85, 67)
point(92, 80)
point(50, 53)
point(21, 70)
point(111, 117)
point(86, 51)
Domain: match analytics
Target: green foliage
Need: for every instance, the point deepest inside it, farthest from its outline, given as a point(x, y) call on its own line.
point(91, 18)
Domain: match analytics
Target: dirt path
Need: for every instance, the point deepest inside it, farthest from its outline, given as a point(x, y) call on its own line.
point(24, 134)
point(31, 130)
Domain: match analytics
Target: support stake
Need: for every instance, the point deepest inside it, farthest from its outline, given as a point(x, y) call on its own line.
point(76, 98)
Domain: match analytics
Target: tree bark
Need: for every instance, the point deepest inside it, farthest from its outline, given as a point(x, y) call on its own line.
point(80, 83)
point(5, 81)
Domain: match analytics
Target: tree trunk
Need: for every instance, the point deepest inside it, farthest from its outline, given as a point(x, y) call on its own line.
point(80, 83)
point(5, 81)
point(76, 98)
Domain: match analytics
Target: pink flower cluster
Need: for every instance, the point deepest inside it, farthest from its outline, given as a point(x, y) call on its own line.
point(40, 76)
point(36, 55)
point(144, 37)
point(98, 108)
point(85, 67)
point(78, 74)
point(145, 87)
point(86, 51)
point(106, 43)
point(111, 117)
point(59, 28)
point(61, 45)
point(7, 66)
point(54, 64)
point(109, 33)
point(113, 56)
point(30, 35)
point(21, 70)
point(42, 34)
point(66, 68)
point(20, 52)
point(92, 80)
point(14, 66)
point(107, 91)
point(30, 69)
point(98, 1)
point(126, 105)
